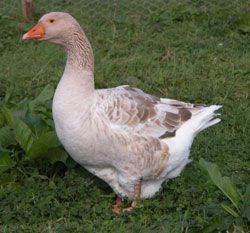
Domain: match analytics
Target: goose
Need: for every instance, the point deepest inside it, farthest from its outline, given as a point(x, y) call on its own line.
point(132, 140)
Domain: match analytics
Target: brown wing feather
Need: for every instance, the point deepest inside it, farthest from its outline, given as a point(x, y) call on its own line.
point(133, 110)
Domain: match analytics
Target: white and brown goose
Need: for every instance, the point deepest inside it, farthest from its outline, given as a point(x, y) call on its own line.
point(132, 140)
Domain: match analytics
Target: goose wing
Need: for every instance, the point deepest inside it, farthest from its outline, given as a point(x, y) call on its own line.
point(134, 111)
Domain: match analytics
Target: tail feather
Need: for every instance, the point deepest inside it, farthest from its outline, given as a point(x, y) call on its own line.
point(179, 146)
point(199, 121)
point(204, 118)
point(211, 123)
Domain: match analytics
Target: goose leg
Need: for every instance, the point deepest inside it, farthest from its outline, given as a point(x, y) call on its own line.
point(137, 196)
point(117, 206)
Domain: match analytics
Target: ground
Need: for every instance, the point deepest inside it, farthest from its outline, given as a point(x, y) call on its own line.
point(194, 51)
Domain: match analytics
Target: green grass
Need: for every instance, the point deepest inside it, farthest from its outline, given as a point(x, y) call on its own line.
point(195, 51)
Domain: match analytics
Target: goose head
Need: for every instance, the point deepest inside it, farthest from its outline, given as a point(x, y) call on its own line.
point(56, 27)
point(61, 28)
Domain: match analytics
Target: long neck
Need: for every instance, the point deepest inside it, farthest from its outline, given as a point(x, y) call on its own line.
point(79, 52)
point(79, 69)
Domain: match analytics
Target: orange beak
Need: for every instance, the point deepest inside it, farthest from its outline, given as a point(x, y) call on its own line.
point(35, 33)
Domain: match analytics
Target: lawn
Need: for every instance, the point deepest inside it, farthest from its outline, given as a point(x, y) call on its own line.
point(194, 51)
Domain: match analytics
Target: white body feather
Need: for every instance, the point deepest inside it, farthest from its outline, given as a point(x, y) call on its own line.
point(89, 137)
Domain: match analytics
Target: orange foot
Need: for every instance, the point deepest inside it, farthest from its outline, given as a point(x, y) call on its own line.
point(117, 206)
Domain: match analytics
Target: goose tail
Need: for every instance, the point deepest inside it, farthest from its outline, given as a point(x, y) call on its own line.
point(180, 145)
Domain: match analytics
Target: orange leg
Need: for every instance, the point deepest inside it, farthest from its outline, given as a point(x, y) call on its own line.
point(117, 206)
point(137, 196)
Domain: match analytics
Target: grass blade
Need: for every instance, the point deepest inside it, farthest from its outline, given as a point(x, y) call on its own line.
point(5, 162)
point(223, 183)
point(230, 210)
point(43, 144)
point(46, 94)
point(57, 154)
point(6, 137)
point(22, 132)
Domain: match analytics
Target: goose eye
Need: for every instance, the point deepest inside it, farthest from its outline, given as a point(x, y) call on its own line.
point(51, 20)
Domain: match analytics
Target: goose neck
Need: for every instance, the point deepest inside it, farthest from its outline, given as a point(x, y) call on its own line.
point(79, 69)
point(79, 53)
